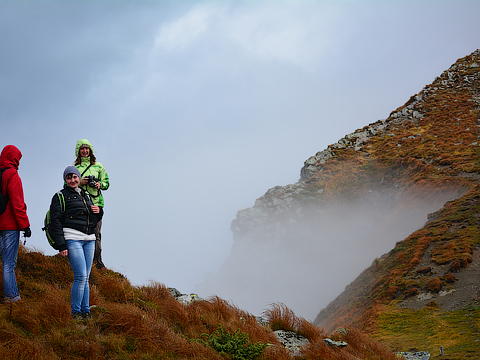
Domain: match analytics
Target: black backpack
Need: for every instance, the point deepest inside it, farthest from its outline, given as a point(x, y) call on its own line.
point(3, 198)
point(48, 220)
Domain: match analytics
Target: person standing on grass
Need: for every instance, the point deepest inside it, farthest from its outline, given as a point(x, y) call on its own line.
point(13, 220)
point(88, 165)
point(73, 220)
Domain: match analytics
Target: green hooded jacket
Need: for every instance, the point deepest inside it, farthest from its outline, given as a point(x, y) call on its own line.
point(96, 170)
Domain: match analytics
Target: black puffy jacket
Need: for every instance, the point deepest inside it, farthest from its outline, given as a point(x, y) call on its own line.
point(77, 215)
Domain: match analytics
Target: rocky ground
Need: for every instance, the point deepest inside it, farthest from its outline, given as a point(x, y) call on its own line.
point(464, 292)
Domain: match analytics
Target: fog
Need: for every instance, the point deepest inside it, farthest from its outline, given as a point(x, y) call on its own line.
point(196, 108)
point(308, 262)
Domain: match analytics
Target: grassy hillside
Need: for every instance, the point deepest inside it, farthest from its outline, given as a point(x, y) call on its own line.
point(422, 292)
point(429, 262)
point(148, 323)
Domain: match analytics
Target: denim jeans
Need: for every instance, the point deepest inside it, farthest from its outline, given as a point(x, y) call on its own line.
point(80, 256)
point(9, 243)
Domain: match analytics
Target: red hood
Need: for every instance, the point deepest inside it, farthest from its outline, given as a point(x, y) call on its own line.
point(10, 157)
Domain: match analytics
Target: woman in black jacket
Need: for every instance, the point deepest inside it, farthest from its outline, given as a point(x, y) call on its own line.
point(73, 220)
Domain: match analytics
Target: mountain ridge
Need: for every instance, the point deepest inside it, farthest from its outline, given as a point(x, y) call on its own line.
point(452, 98)
point(425, 153)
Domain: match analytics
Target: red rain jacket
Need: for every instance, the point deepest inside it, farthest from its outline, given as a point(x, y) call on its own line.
point(15, 216)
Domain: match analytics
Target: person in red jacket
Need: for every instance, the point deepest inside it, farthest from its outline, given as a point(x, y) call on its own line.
point(12, 221)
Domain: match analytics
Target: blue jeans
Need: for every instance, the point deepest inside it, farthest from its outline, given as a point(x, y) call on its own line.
point(9, 243)
point(80, 256)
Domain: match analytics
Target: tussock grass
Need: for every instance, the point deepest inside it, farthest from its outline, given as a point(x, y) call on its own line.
point(281, 317)
point(359, 346)
point(130, 322)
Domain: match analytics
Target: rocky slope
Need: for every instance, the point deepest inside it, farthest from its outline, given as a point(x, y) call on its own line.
point(371, 192)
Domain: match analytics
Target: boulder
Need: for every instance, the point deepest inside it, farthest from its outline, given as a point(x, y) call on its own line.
point(292, 341)
point(184, 298)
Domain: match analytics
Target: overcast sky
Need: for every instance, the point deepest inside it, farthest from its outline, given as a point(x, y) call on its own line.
point(197, 108)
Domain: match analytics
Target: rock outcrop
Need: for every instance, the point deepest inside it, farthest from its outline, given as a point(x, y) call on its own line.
point(282, 206)
point(358, 197)
point(361, 195)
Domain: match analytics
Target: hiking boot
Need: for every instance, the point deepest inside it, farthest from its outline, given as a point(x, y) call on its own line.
point(77, 316)
point(13, 300)
point(86, 316)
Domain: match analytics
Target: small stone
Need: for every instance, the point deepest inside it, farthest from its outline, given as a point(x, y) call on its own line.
point(330, 342)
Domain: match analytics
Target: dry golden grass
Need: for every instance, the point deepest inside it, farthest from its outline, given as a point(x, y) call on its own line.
point(359, 347)
point(281, 317)
point(128, 322)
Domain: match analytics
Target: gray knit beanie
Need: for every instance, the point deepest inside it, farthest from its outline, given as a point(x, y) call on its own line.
point(70, 170)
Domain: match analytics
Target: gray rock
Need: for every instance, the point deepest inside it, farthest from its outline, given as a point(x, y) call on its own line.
point(188, 298)
point(339, 344)
point(175, 293)
point(292, 341)
point(419, 355)
point(262, 321)
point(184, 298)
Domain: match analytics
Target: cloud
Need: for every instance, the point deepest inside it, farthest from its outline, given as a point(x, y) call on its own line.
point(266, 31)
point(283, 33)
point(184, 31)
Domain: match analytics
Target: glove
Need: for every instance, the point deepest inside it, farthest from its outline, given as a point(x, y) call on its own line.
point(27, 232)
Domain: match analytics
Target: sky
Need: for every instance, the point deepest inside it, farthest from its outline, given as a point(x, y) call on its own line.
point(197, 108)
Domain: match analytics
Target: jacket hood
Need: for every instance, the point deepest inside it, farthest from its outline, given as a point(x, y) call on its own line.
point(79, 145)
point(10, 157)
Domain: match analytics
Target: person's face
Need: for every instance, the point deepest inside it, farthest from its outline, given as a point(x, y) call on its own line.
point(84, 151)
point(72, 180)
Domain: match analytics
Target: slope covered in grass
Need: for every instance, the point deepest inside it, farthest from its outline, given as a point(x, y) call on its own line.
point(147, 323)
point(423, 291)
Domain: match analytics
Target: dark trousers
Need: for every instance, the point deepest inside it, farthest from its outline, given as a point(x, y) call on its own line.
point(97, 257)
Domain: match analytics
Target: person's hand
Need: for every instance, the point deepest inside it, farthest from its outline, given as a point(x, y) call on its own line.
point(64, 253)
point(95, 209)
point(97, 185)
point(84, 181)
point(27, 232)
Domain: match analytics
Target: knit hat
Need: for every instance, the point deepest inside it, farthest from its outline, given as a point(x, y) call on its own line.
point(70, 170)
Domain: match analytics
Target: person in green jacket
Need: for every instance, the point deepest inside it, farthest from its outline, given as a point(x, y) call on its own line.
point(94, 181)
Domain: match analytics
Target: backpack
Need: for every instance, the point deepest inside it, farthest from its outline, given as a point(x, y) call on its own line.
point(3, 198)
point(48, 221)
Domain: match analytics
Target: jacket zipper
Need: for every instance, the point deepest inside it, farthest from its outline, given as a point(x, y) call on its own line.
point(88, 213)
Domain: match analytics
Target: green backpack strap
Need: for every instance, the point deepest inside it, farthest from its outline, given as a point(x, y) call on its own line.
point(62, 201)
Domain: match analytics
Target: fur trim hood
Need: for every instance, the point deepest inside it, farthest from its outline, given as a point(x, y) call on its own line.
point(83, 142)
